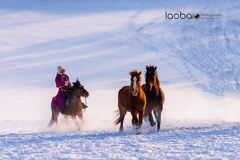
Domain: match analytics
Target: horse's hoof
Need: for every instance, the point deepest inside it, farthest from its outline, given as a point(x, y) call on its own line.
point(138, 133)
point(152, 123)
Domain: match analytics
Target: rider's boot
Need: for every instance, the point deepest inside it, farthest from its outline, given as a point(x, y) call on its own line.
point(84, 106)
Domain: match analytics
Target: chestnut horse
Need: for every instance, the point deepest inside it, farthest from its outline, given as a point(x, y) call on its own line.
point(132, 99)
point(74, 107)
point(155, 96)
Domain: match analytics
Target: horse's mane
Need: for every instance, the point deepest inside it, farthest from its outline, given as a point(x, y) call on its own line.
point(152, 71)
point(136, 73)
point(76, 84)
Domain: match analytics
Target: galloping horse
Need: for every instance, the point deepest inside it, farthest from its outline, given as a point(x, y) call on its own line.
point(132, 99)
point(155, 96)
point(74, 107)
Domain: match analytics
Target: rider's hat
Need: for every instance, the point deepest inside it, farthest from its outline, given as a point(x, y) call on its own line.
point(60, 68)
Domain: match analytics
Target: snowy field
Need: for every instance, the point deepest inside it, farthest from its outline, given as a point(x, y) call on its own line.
point(100, 42)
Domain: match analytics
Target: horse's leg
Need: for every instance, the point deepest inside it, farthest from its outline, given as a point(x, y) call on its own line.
point(146, 117)
point(141, 115)
point(158, 114)
point(80, 116)
point(55, 114)
point(121, 118)
point(66, 117)
point(134, 120)
point(76, 122)
point(150, 117)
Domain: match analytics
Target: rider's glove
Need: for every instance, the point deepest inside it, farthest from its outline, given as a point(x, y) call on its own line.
point(66, 83)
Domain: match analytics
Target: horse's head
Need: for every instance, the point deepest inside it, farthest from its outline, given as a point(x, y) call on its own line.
point(151, 77)
point(136, 79)
point(80, 89)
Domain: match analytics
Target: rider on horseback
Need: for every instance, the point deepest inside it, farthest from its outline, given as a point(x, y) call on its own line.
point(63, 83)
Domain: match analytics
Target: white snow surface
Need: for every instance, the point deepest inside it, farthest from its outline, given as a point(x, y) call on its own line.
point(100, 42)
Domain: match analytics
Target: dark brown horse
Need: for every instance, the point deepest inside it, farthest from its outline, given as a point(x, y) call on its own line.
point(132, 99)
point(74, 107)
point(155, 96)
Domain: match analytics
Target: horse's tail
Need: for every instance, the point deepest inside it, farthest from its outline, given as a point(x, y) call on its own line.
point(117, 114)
point(52, 109)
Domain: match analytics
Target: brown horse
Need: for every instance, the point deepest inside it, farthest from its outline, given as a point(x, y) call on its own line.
point(155, 96)
point(132, 99)
point(74, 107)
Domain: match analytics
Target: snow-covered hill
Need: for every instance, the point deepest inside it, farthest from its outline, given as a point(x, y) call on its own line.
point(100, 42)
point(178, 140)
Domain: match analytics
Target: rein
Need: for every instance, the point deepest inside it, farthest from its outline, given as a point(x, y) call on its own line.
point(85, 100)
